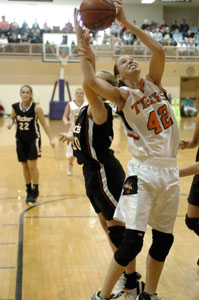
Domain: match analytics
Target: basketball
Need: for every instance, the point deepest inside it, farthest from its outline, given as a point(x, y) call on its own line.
point(97, 14)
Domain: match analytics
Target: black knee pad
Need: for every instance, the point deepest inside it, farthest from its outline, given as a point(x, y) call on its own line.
point(130, 247)
point(192, 224)
point(116, 234)
point(161, 245)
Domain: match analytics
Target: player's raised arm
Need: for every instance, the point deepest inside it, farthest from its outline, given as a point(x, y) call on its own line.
point(157, 61)
point(100, 87)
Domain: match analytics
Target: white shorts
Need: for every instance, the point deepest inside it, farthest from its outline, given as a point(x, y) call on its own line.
point(150, 195)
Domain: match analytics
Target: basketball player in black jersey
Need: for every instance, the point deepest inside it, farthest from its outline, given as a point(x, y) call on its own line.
point(92, 138)
point(192, 216)
point(28, 139)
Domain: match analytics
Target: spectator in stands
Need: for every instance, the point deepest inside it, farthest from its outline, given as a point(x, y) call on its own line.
point(4, 25)
point(196, 38)
point(184, 27)
point(193, 27)
point(167, 38)
point(163, 27)
point(145, 24)
point(35, 25)
point(188, 36)
point(115, 29)
point(138, 47)
point(153, 25)
point(182, 48)
point(189, 107)
point(177, 36)
point(118, 46)
point(13, 38)
point(174, 26)
point(46, 28)
point(191, 48)
point(14, 27)
point(25, 30)
point(3, 41)
point(106, 38)
point(127, 38)
point(25, 38)
point(36, 39)
point(68, 27)
point(157, 35)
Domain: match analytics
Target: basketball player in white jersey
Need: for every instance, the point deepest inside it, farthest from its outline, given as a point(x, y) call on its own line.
point(70, 115)
point(150, 193)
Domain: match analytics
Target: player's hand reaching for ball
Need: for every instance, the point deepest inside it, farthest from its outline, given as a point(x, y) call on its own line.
point(120, 12)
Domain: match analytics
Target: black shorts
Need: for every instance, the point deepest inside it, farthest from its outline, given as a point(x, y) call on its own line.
point(28, 150)
point(193, 197)
point(104, 185)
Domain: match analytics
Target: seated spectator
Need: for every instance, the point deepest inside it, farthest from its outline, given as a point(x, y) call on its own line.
point(174, 26)
point(25, 30)
point(3, 41)
point(35, 39)
point(35, 25)
point(13, 38)
point(176, 37)
point(163, 27)
point(127, 38)
point(167, 38)
point(196, 38)
point(46, 28)
point(191, 48)
point(74, 49)
point(153, 25)
point(193, 27)
point(189, 35)
point(14, 27)
point(115, 29)
point(138, 48)
point(145, 24)
point(184, 27)
point(182, 48)
point(189, 107)
point(157, 35)
point(2, 110)
point(4, 25)
point(24, 38)
point(106, 39)
point(118, 47)
point(68, 27)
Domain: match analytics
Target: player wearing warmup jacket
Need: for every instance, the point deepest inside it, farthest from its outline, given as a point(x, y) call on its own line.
point(28, 139)
point(192, 216)
point(150, 192)
point(70, 115)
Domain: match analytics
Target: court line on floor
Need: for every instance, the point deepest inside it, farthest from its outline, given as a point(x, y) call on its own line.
point(19, 275)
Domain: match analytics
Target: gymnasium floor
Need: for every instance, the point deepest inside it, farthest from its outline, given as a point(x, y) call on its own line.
point(57, 250)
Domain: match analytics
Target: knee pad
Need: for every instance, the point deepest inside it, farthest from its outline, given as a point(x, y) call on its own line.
point(116, 234)
point(130, 247)
point(161, 245)
point(192, 224)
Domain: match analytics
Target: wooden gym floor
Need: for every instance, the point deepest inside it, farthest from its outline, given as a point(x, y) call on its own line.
point(57, 250)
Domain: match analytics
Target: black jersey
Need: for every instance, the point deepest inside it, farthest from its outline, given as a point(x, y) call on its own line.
point(27, 127)
point(91, 141)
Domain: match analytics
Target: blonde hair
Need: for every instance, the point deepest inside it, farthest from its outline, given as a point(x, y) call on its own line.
point(107, 76)
point(30, 88)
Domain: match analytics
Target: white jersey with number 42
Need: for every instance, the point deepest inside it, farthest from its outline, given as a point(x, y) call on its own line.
point(155, 129)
